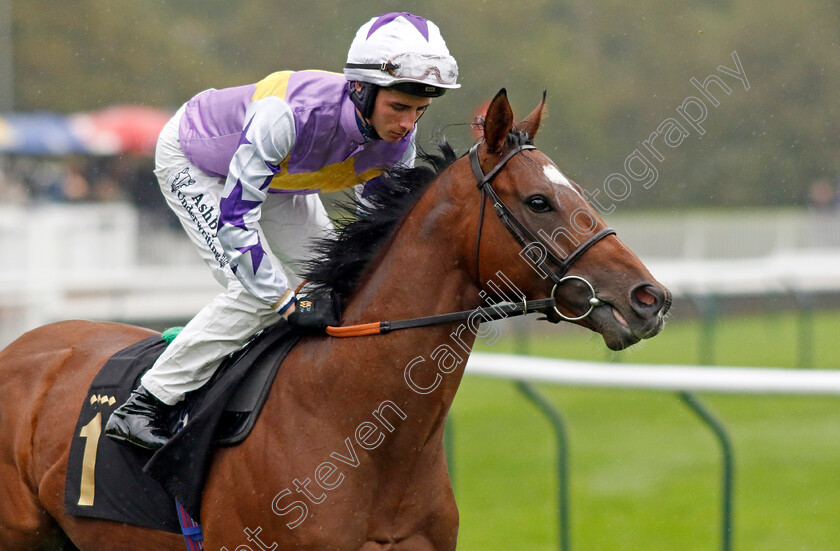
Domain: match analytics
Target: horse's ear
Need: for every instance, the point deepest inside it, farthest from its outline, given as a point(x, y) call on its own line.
point(498, 122)
point(531, 123)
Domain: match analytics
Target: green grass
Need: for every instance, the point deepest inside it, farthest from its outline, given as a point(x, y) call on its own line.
point(645, 473)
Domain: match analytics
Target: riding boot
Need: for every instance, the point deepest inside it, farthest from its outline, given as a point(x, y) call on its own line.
point(140, 420)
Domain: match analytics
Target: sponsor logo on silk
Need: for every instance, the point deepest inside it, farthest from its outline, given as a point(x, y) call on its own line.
point(181, 179)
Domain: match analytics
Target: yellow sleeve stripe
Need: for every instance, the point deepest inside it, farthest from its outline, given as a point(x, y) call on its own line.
point(330, 178)
point(274, 84)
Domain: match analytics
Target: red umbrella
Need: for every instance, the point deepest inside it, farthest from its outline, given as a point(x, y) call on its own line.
point(126, 128)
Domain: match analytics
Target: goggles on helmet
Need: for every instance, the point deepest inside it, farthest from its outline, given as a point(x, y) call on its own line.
point(406, 67)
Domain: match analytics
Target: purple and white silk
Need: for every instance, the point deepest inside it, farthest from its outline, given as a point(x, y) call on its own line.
point(292, 132)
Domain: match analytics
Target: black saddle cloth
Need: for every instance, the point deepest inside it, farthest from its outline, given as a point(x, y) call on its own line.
point(109, 480)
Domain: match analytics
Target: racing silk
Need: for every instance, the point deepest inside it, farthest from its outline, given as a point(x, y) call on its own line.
point(292, 132)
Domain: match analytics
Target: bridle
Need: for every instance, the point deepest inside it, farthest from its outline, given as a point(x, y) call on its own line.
point(525, 238)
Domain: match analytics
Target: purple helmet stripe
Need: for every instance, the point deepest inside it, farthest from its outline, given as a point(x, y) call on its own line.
point(419, 23)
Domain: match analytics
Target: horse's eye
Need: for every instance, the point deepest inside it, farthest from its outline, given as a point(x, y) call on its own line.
point(538, 203)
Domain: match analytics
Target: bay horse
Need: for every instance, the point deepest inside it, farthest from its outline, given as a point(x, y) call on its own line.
point(348, 452)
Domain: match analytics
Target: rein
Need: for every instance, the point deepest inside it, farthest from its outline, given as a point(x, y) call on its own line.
point(525, 238)
point(498, 311)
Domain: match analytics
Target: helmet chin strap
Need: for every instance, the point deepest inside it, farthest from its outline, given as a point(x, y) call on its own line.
point(364, 99)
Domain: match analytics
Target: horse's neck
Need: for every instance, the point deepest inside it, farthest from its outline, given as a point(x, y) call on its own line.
point(336, 385)
point(339, 382)
point(423, 271)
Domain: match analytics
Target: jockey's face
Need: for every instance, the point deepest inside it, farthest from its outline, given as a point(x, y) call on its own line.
point(395, 113)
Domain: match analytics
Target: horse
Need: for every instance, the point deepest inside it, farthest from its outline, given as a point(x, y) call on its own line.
point(348, 451)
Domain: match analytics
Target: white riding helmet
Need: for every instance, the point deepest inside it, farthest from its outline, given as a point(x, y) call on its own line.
point(403, 51)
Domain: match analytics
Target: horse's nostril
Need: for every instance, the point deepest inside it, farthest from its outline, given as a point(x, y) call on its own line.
point(647, 298)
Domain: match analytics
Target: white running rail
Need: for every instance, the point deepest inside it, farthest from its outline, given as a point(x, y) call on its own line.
point(746, 380)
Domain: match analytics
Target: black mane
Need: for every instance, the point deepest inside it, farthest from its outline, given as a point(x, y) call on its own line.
point(363, 227)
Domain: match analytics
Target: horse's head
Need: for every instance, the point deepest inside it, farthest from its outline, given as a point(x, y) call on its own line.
point(548, 239)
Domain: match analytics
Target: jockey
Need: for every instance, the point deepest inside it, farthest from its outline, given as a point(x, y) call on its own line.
point(241, 168)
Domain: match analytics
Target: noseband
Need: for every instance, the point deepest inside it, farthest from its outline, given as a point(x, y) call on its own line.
point(526, 237)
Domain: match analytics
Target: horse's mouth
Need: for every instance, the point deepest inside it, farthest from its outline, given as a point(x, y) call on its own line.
point(619, 318)
point(617, 332)
point(620, 324)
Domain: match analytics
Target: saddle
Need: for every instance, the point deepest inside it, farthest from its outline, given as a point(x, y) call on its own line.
point(109, 480)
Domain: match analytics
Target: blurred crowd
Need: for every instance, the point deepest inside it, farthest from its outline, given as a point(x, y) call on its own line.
point(27, 180)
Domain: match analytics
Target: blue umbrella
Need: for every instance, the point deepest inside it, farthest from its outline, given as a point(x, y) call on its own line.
point(38, 134)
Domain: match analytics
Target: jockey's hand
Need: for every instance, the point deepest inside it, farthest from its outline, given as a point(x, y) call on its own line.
point(315, 313)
